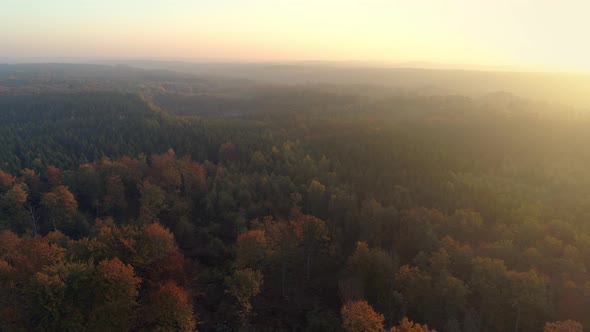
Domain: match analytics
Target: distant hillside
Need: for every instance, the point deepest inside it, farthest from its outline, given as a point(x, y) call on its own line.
point(552, 87)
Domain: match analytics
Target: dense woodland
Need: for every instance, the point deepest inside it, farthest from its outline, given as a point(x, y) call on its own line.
point(301, 209)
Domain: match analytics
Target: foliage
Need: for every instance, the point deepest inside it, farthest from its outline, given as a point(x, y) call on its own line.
point(447, 211)
point(563, 326)
point(243, 285)
point(358, 316)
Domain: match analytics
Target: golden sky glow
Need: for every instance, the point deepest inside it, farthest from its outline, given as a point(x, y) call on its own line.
point(541, 34)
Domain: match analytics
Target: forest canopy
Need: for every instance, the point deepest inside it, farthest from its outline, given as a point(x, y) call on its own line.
point(173, 203)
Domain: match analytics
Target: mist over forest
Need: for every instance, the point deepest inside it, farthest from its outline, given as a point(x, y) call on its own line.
point(298, 196)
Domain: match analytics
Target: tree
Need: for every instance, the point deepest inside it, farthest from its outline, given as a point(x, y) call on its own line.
point(170, 267)
point(116, 290)
point(243, 285)
point(415, 232)
point(529, 298)
point(60, 205)
point(370, 275)
point(89, 187)
point(416, 288)
point(252, 249)
point(508, 299)
point(407, 325)
point(64, 297)
point(152, 202)
point(359, 316)
point(11, 307)
point(30, 255)
point(471, 321)
point(33, 182)
point(285, 239)
point(9, 244)
point(450, 295)
point(370, 226)
point(460, 255)
point(465, 225)
point(258, 161)
point(6, 180)
point(53, 176)
point(44, 297)
point(13, 201)
point(342, 208)
point(167, 308)
point(193, 178)
point(228, 152)
point(315, 239)
point(316, 193)
point(15, 197)
point(152, 242)
point(563, 326)
point(114, 200)
point(164, 171)
point(452, 325)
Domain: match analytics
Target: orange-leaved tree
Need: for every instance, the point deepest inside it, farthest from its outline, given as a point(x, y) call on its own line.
point(563, 326)
point(167, 308)
point(60, 204)
point(406, 325)
point(359, 316)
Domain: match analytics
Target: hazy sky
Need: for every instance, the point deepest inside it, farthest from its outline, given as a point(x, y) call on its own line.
point(543, 34)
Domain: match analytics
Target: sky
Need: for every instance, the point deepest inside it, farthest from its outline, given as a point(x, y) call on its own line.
point(526, 34)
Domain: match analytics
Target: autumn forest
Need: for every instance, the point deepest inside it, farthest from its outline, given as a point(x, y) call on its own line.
point(153, 200)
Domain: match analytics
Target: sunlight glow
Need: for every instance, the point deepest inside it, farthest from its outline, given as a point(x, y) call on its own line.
point(523, 34)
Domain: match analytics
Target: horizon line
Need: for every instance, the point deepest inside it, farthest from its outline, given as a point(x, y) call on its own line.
point(348, 64)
